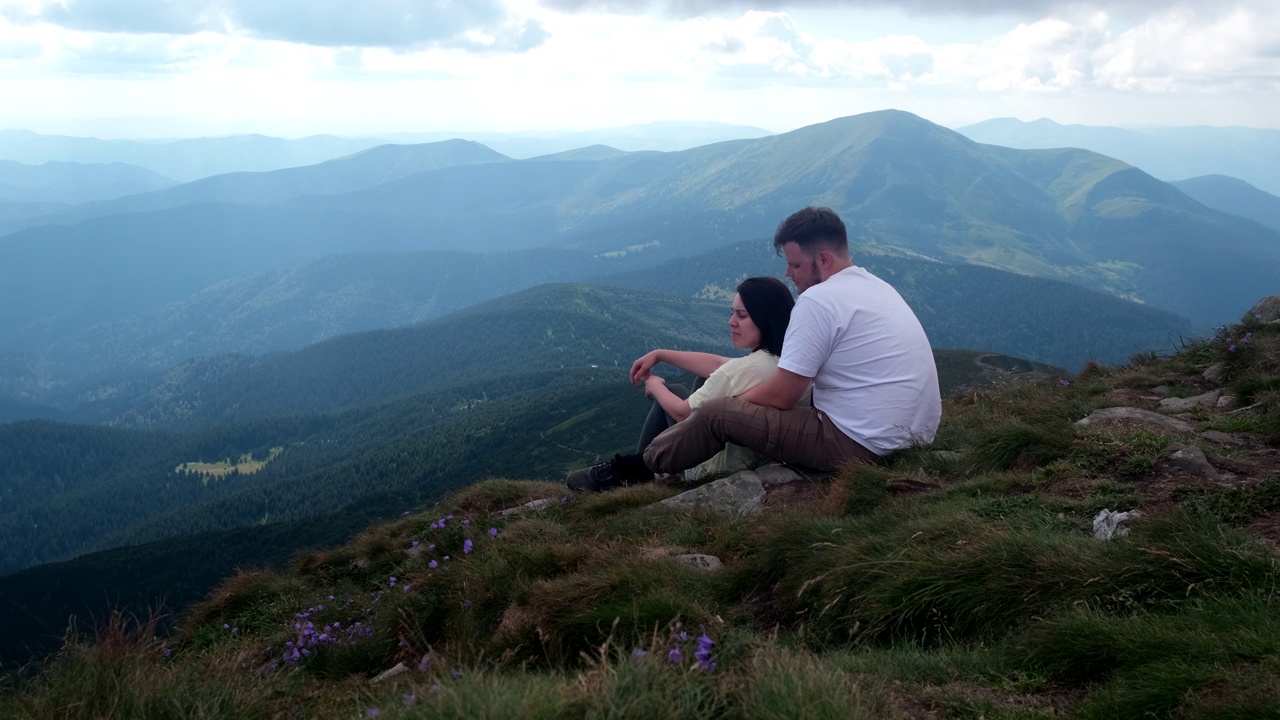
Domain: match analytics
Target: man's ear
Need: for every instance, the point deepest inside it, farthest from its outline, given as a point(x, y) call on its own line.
point(826, 260)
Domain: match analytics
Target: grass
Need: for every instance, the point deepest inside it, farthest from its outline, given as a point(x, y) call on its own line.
point(958, 586)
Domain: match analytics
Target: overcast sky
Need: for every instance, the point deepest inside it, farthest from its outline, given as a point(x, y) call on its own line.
point(294, 67)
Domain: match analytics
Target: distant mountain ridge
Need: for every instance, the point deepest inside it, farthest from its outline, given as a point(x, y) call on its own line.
point(67, 182)
point(1234, 196)
point(1169, 153)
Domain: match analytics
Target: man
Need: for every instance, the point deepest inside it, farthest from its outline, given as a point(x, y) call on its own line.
point(875, 384)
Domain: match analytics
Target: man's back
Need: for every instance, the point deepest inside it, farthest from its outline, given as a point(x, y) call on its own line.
point(873, 371)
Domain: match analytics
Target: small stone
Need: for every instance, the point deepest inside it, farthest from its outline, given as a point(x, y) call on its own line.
point(1227, 402)
point(776, 474)
point(710, 563)
point(391, 672)
point(1190, 458)
point(742, 493)
point(531, 506)
point(1160, 390)
point(946, 455)
point(1216, 373)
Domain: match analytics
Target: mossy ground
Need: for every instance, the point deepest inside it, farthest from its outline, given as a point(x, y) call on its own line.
point(938, 586)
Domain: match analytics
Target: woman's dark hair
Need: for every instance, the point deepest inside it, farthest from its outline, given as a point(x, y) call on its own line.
point(768, 301)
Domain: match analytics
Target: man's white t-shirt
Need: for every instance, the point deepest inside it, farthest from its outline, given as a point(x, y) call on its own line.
point(873, 370)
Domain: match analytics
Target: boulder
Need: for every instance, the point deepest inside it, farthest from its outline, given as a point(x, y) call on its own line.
point(1265, 310)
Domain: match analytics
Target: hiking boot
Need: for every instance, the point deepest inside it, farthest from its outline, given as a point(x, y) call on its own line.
point(621, 471)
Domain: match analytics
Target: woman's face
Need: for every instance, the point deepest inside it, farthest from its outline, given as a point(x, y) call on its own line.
point(744, 332)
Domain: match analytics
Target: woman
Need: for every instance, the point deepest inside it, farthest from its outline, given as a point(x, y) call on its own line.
point(758, 322)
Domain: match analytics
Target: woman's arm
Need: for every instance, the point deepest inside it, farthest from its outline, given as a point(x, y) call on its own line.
point(699, 363)
point(674, 405)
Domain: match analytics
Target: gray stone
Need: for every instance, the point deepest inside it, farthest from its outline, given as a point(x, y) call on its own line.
point(1102, 417)
point(1265, 310)
point(710, 563)
point(776, 474)
point(1190, 458)
point(1161, 390)
point(531, 506)
point(1223, 438)
point(1216, 373)
point(741, 493)
point(946, 455)
point(1227, 402)
point(389, 673)
point(1209, 399)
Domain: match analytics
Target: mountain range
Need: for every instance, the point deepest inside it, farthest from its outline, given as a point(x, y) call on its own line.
point(1169, 153)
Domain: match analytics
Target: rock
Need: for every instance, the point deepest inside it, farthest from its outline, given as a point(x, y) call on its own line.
point(1147, 417)
point(1209, 399)
point(741, 493)
point(1190, 458)
point(710, 563)
point(946, 455)
point(1227, 402)
point(1265, 310)
point(776, 474)
point(1216, 373)
point(531, 506)
point(1223, 438)
point(1160, 390)
point(391, 672)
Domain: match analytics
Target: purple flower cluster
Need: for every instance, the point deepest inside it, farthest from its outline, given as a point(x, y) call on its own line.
point(675, 656)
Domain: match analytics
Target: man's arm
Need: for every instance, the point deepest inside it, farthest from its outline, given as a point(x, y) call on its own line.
point(782, 391)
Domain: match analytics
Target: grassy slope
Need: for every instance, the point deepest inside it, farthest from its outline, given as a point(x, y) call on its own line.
point(928, 588)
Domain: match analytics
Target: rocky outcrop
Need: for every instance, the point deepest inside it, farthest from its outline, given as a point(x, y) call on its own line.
point(742, 493)
point(1266, 310)
point(1138, 415)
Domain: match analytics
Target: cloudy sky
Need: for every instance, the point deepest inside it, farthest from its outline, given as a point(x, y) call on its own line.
point(293, 67)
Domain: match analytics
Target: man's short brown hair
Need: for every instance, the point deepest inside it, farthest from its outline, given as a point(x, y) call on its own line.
point(813, 229)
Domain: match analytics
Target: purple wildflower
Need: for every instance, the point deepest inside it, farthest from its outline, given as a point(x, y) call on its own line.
point(638, 653)
point(166, 651)
point(466, 545)
point(393, 581)
point(1232, 348)
point(446, 517)
point(675, 657)
point(409, 700)
point(682, 636)
point(466, 602)
point(455, 672)
point(225, 626)
point(1065, 383)
point(493, 532)
point(446, 557)
point(465, 522)
point(433, 564)
point(372, 712)
point(415, 544)
point(703, 653)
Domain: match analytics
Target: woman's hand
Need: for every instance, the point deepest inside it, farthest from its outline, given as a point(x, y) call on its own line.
point(653, 382)
point(642, 368)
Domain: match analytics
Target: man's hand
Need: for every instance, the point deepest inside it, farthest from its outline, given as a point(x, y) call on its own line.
point(642, 368)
